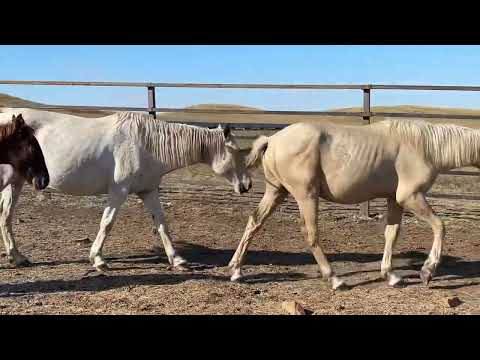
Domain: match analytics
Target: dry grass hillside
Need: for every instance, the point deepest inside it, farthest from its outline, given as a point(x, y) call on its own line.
point(7, 100)
point(285, 119)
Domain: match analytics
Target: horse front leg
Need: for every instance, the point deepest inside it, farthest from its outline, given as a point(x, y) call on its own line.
point(115, 199)
point(152, 204)
point(420, 207)
point(308, 206)
point(8, 200)
point(392, 228)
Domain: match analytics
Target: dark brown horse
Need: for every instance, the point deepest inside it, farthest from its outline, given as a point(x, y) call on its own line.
point(20, 149)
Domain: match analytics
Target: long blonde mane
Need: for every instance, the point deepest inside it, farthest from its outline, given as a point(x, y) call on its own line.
point(443, 145)
point(171, 143)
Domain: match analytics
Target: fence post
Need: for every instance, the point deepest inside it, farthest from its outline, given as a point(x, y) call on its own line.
point(365, 207)
point(151, 101)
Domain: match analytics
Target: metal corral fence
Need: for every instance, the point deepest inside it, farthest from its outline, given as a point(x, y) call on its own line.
point(366, 114)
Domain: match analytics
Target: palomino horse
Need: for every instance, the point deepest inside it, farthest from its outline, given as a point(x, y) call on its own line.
point(394, 159)
point(121, 154)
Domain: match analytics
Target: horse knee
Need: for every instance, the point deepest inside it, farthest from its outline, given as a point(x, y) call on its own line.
point(303, 230)
point(311, 240)
point(5, 219)
point(108, 227)
point(253, 220)
point(438, 225)
point(310, 233)
point(308, 238)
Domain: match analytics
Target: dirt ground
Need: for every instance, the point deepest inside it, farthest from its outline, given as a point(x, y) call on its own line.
point(206, 222)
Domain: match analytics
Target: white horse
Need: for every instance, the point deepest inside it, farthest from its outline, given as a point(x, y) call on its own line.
point(120, 154)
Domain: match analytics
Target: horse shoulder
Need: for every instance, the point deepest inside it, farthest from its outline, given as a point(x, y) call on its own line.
point(127, 158)
point(414, 172)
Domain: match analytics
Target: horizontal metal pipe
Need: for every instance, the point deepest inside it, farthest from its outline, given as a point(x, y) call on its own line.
point(243, 86)
point(183, 85)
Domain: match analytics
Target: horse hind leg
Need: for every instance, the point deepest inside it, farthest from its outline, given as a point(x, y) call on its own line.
point(271, 199)
point(115, 200)
point(8, 200)
point(392, 228)
point(152, 204)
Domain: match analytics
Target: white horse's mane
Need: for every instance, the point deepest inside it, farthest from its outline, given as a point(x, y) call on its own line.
point(171, 142)
point(443, 145)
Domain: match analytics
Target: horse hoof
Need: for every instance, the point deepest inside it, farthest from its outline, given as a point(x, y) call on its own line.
point(178, 260)
point(19, 262)
point(426, 276)
point(394, 280)
point(236, 276)
point(338, 284)
point(25, 263)
point(101, 267)
point(182, 267)
point(157, 250)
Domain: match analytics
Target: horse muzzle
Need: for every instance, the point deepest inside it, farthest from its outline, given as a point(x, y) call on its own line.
point(41, 182)
point(243, 189)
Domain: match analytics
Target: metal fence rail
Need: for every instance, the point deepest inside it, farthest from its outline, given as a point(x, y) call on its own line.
point(242, 86)
point(366, 114)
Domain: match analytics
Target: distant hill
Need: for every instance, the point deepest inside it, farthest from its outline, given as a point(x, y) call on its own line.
point(221, 107)
point(417, 109)
point(7, 100)
point(283, 119)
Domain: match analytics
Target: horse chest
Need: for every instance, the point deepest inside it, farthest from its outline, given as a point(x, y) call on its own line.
point(145, 181)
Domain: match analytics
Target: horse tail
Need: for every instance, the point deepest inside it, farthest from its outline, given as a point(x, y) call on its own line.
point(258, 149)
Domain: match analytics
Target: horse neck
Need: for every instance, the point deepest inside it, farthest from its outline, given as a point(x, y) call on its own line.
point(5, 145)
point(189, 145)
point(457, 151)
point(4, 153)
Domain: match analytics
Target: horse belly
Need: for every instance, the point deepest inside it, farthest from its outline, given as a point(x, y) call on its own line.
point(84, 180)
point(355, 187)
point(356, 170)
point(78, 167)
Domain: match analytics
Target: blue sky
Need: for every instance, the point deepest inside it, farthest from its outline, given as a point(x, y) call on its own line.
point(437, 65)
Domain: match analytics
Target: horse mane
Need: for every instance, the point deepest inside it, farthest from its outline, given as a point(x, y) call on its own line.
point(170, 142)
point(8, 129)
point(443, 145)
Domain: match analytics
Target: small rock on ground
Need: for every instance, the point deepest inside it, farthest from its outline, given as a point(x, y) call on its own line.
point(293, 308)
point(454, 302)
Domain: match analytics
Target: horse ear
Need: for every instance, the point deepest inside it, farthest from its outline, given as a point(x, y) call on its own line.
point(226, 131)
point(18, 120)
